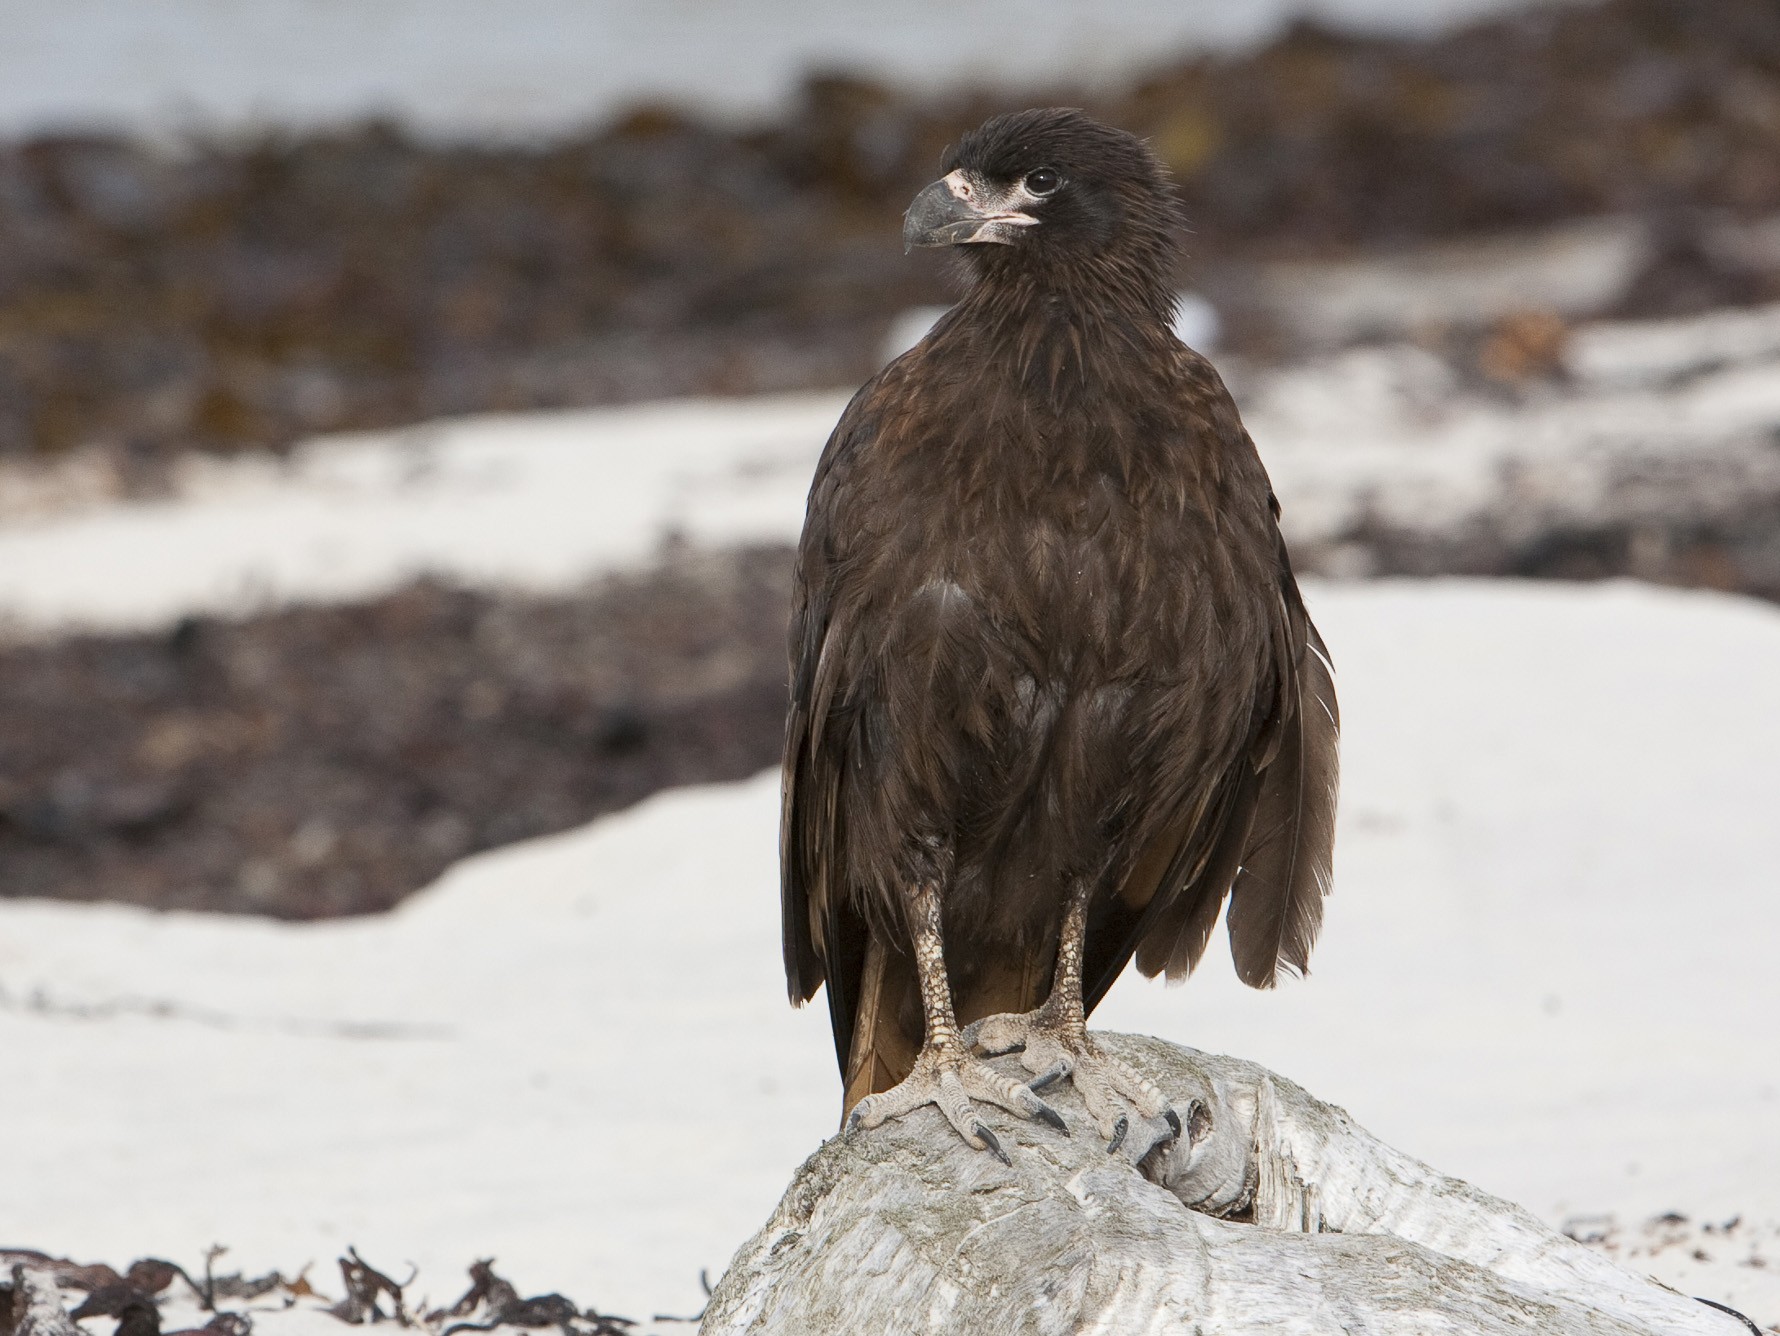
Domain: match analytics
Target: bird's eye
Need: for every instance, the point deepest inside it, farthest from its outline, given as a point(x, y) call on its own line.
point(1043, 181)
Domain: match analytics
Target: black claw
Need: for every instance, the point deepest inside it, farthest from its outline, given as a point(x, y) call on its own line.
point(1119, 1129)
point(1173, 1121)
point(853, 1120)
point(1046, 1114)
point(1057, 1072)
point(990, 1143)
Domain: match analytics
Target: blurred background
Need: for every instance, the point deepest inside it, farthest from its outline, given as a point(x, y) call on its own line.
point(228, 227)
point(406, 411)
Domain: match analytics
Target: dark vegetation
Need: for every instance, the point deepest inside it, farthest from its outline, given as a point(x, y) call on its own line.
point(134, 1297)
point(325, 761)
point(234, 295)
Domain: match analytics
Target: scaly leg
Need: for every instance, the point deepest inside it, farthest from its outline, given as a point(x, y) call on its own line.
point(945, 1074)
point(1056, 1043)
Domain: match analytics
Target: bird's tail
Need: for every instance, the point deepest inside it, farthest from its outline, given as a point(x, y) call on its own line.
point(883, 1050)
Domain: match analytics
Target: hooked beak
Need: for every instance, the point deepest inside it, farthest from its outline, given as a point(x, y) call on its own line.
point(953, 212)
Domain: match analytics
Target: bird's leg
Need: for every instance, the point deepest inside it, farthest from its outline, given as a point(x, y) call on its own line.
point(1054, 1041)
point(945, 1074)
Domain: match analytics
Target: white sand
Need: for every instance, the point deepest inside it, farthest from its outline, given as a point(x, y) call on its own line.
point(1669, 417)
point(1548, 967)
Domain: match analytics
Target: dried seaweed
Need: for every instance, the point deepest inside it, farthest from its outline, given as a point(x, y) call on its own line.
point(496, 1303)
point(132, 1298)
point(365, 1285)
point(327, 761)
point(240, 296)
point(108, 1294)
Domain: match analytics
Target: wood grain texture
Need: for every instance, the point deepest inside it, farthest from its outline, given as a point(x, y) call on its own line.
point(1275, 1214)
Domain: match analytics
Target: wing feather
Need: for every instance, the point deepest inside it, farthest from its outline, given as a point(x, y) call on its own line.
point(1276, 904)
point(824, 939)
point(1265, 839)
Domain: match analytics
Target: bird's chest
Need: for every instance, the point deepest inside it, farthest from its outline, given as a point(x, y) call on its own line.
point(1059, 565)
point(1073, 564)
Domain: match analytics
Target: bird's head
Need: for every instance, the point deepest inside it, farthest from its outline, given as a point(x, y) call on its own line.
point(1050, 190)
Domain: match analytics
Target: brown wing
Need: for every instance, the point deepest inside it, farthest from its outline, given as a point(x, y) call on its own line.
point(824, 940)
point(871, 984)
point(1276, 903)
point(1264, 835)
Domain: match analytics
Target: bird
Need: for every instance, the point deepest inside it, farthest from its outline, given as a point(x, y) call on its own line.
point(1055, 696)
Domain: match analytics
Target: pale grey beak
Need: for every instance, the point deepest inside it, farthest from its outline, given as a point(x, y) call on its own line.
point(950, 213)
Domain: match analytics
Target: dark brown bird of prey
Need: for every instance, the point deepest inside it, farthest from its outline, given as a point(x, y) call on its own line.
point(1054, 692)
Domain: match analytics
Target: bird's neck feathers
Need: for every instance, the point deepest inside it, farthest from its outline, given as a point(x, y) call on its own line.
point(1071, 321)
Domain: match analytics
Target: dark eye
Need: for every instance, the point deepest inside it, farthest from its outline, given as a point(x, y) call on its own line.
point(1043, 181)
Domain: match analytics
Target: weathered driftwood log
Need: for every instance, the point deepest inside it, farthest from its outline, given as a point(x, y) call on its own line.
point(1272, 1213)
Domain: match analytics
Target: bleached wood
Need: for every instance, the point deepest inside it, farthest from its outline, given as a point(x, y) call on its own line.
point(1275, 1214)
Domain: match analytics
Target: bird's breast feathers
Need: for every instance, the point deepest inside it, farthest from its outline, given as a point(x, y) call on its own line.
point(1097, 555)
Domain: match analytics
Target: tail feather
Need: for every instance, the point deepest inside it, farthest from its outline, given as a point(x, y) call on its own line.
point(1202, 870)
point(1179, 956)
point(882, 1050)
point(1276, 905)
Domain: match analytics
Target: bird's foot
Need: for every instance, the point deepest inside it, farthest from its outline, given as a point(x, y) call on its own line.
point(1053, 1047)
point(950, 1078)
